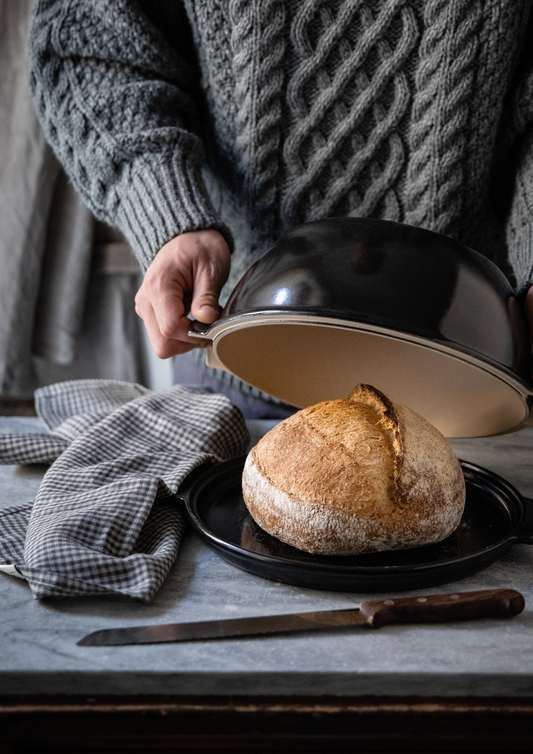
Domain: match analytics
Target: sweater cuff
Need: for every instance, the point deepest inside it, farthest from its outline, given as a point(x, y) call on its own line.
point(161, 197)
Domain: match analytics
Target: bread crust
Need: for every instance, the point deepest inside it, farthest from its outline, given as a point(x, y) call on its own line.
point(353, 476)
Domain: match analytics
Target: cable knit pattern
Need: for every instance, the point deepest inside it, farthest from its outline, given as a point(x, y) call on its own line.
point(334, 110)
point(441, 111)
point(115, 107)
point(292, 110)
point(213, 40)
point(259, 46)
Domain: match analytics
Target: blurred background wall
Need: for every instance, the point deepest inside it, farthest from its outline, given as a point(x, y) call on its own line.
point(67, 282)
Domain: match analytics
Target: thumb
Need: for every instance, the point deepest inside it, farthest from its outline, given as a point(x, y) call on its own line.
point(204, 306)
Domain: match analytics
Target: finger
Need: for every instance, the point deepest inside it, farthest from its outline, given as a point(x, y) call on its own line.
point(207, 287)
point(168, 328)
point(165, 347)
point(172, 326)
point(169, 312)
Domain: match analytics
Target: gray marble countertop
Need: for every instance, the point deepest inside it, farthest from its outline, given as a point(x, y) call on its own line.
point(38, 652)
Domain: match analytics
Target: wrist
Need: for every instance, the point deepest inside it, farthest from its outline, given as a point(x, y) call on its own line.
point(162, 197)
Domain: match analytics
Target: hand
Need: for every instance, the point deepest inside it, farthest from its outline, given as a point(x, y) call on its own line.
point(187, 274)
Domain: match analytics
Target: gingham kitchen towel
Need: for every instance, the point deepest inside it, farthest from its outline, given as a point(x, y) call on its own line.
point(105, 519)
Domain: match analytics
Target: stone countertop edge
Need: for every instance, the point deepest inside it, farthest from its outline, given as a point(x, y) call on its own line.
point(131, 683)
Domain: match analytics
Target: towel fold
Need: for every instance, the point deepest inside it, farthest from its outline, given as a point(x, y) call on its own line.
point(105, 518)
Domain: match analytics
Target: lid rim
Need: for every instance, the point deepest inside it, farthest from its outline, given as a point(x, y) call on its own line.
point(254, 318)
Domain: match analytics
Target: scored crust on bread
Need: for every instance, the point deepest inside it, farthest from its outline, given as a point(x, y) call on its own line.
point(352, 476)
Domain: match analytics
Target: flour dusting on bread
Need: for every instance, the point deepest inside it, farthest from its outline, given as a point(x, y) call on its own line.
point(357, 475)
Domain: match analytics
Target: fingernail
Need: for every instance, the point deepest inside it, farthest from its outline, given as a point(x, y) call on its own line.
point(208, 313)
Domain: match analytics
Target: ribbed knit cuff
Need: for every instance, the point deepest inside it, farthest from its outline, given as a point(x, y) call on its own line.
point(160, 197)
point(520, 244)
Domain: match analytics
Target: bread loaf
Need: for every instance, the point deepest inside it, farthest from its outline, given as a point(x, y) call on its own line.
point(352, 476)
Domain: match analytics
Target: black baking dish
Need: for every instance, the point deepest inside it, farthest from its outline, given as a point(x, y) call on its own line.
point(496, 517)
point(428, 321)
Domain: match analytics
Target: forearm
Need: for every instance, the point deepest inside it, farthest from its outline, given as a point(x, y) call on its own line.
point(113, 99)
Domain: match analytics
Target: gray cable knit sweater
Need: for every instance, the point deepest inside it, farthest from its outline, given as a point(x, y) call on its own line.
point(252, 116)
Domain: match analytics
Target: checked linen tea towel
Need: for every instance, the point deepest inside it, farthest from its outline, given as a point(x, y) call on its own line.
point(105, 519)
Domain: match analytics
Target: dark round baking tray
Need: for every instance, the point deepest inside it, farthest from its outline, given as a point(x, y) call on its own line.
point(496, 516)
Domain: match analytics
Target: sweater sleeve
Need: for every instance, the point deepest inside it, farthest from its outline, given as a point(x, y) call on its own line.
point(520, 223)
point(117, 104)
point(518, 159)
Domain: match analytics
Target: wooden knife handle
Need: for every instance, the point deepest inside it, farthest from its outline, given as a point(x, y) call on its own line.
point(488, 603)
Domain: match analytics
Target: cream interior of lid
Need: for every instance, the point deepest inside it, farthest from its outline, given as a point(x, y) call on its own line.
point(303, 364)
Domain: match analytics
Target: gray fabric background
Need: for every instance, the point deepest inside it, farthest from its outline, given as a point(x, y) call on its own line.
point(58, 320)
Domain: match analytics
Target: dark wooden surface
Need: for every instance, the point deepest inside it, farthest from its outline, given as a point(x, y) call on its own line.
point(371, 724)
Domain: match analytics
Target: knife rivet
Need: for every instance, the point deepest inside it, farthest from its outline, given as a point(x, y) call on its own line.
point(454, 596)
point(421, 599)
point(389, 602)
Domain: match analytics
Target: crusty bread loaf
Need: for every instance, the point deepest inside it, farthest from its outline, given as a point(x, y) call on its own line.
point(352, 476)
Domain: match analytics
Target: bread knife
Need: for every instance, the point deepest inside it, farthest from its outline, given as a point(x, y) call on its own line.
point(438, 608)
